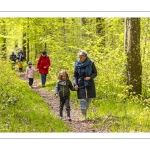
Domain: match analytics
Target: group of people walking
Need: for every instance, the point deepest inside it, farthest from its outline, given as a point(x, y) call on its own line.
point(84, 74)
point(42, 66)
point(14, 58)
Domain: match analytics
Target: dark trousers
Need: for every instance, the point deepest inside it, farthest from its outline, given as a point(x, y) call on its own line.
point(20, 69)
point(64, 101)
point(43, 78)
point(30, 81)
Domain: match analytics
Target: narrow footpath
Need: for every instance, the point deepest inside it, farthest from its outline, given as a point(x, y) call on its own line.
point(77, 125)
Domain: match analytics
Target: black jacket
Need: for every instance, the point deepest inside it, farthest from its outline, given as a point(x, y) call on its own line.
point(13, 57)
point(79, 80)
point(63, 88)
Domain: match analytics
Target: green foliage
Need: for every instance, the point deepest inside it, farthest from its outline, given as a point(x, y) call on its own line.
point(131, 115)
point(8, 93)
point(63, 38)
point(21, 110)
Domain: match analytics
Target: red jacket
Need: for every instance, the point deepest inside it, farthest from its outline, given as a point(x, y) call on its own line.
point(43, 64)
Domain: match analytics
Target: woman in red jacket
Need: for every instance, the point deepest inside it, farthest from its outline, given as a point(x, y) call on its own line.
point(43, 66)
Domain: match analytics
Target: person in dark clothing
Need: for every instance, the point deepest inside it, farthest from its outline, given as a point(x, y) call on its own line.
point(13, 57)
point(62, 89)
point(84, 73)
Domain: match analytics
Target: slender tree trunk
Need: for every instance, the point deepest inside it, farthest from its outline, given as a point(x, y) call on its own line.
point(36, 51)
point(132, 49)
point(99, 25)
point(28, 51)
point(28, 44)
point(84, 22)
point(64, 30)
point(3, 49)
point(24, 42)
point(100, 30)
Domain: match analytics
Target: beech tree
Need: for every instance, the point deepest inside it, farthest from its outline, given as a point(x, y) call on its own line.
point(132, 49)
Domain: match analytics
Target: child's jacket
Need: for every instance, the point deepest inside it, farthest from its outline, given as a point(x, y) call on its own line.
point(20, 64)
point(63, 88)
point(30, 72)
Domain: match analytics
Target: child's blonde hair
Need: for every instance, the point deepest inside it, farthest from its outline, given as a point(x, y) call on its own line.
point(61, 73)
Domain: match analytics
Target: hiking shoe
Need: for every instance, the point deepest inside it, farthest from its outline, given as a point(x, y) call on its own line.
point(69, 119)
point(60, 118)
point(83, 115)
point(43, 85)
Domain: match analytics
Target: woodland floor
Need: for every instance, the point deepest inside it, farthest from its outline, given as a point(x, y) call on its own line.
point(76, 123)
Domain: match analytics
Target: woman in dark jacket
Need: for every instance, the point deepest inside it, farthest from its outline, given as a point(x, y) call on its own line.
point(84, 73)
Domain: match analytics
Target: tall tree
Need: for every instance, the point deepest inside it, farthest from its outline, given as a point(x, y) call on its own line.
point(27, 50)
point(84, 22)
point(132, 49)
point(100, 29)
point(3, 39)
point(64, 29)
point(24, 42)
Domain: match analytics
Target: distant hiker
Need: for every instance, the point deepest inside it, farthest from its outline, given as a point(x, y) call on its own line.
point(43, 66)
point(30, 73)
point(20, 56)
point(84, 73)
point(20, 66)
point(13, 57)
point(20, 60)
point(62, 89)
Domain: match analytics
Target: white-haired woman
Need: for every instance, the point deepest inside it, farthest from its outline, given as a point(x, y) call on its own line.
point(84, 73)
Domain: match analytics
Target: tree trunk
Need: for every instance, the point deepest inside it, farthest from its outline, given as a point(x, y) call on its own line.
point(24, 45)
point(100, 30)
point(132, 49)
point(3, 49)
point(28, 56)
point(84, 22)
point(28, 48)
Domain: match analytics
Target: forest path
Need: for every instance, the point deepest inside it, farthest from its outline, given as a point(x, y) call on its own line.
point(77, 125)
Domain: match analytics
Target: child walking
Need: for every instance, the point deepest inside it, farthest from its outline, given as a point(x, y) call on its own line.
point(62, 89)
point(20, 66)
point(30, 73)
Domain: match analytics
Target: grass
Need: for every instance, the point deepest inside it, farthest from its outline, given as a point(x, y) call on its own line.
point(31, 114)
point(114, 114)
point(120, 116)
point(22, 110)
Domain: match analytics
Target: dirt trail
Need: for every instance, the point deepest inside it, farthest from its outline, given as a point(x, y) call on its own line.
point(77, 125)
